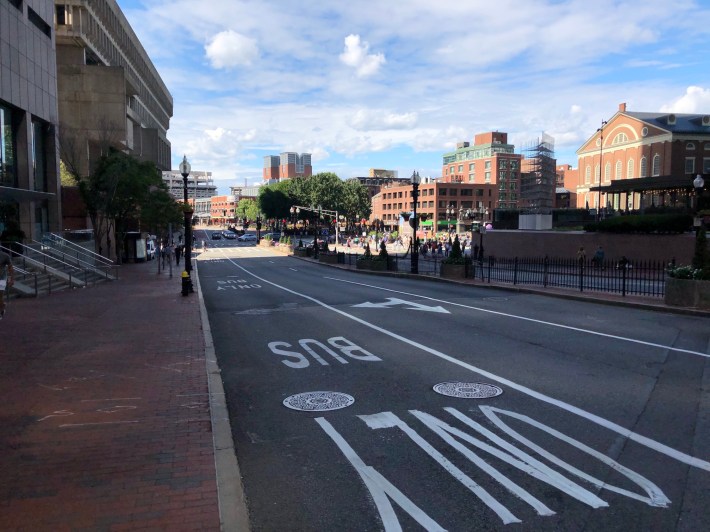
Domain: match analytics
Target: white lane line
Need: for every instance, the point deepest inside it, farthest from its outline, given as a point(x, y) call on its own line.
point(293, 269)
point(518, 317)
point(615, 427)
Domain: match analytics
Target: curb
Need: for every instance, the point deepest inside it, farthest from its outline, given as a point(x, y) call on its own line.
point(233, 512)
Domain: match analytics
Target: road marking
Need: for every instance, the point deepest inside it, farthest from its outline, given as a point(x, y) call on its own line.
point(393, 301)
point(293, 269)
point(610, 425)
point(515, 316)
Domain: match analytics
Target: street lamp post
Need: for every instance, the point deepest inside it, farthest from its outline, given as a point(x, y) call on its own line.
point(698, 184)
point(416, 180)
point(185, 172)
point(601, 169)
point(450, 211)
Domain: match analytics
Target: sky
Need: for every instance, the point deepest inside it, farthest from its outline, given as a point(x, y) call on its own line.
point(389, 84)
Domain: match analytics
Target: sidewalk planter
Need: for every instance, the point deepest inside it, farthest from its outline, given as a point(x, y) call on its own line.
point(369, 264)
point(328, 258)
point(301, 252)
point(687, 293)
point(453, 271)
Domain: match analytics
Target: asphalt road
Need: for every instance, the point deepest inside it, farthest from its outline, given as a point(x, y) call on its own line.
point(601, 423)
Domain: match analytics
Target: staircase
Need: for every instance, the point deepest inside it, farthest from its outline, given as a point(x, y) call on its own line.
point(57, 264)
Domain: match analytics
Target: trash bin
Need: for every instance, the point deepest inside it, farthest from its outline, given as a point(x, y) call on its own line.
point(185, 283)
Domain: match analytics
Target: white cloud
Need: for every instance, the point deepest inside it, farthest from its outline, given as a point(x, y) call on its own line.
point(371, 119)
point(229, 49)
point(695, 100)
point(355, 55)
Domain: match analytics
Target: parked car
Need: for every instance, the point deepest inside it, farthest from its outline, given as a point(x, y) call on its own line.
point(275, 237)
point(247, 238)
point(216, 236)
point(229, 235)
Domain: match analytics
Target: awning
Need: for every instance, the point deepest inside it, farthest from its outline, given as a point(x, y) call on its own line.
point(642, 184)
point(426, 223)
point(22, 194)
point(446, 222)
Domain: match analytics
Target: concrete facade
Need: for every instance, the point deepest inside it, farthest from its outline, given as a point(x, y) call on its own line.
point(29, 165)
point(199, 185)
point(287, 165)
point(110, 94)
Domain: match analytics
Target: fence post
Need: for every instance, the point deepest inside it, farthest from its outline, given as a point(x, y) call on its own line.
point(544, 271)
point(624, 269)
point(515, 271)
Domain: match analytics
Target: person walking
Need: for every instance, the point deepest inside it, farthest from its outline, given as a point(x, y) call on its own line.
point(178, 252)
point(598, 258)
point(7, 279)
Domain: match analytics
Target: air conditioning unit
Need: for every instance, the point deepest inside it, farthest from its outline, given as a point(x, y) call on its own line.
point(706, 120)
point(671, 120)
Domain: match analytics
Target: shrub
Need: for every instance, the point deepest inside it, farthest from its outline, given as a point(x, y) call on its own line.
point(383, 251)
point(643, 223)
point(456, 255)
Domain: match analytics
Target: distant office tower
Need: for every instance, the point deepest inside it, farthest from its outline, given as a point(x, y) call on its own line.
point(286, 166)
point(199, 185)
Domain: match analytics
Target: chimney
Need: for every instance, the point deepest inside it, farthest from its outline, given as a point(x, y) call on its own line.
point(622, 107)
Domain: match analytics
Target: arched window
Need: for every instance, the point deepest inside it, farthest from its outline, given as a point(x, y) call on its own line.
point(620, 139)
point(643, 172)
point(596, 173)
point(607, 172)
point(690, 146)
point(656, 166)
point(617, 170)
point(630, 169)
point(588, 174)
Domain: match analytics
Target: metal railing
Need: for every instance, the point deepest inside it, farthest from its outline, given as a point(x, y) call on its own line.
point(74, 260)
point(623, 277)
point(57, 242)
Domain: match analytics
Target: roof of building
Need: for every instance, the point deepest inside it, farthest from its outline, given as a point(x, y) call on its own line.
point(641, 184)
point(684, 123)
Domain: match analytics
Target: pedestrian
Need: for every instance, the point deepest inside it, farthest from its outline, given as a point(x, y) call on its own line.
point(178, 252)
point(581, 255)
point(7, 279)
point(598, 258)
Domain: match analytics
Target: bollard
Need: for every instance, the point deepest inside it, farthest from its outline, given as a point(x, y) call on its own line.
point(185, 283)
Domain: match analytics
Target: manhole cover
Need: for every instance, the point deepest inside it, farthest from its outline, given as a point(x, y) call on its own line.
point(318, 401)
point(468, 390)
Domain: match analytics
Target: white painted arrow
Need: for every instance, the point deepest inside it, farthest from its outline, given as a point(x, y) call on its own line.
point(393, 301)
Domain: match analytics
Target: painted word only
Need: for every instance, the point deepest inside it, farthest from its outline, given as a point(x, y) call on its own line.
point(338, 345)
point(236, 284)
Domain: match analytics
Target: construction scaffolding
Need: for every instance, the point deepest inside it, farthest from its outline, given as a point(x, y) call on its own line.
point(538, 176)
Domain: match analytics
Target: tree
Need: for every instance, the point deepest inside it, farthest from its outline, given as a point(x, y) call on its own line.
point(356, 201)
point(274, 200)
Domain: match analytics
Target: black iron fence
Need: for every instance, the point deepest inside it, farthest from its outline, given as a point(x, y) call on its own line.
point(641, 278)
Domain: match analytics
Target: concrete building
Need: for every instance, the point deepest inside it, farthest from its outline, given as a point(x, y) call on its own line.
point(244, 192)
point(199, 184)
point(29, 167)
point(374, 183)
point(638, 160)
point(286, 166)
point(490, 161)
point(110, 94)
point(379, 172)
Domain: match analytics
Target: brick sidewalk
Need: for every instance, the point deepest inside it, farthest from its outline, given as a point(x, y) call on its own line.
point(104, 409)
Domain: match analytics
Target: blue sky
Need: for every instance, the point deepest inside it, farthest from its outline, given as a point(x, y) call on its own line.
point(396, 84)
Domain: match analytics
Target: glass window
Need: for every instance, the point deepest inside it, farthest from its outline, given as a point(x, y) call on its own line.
point(460, 168)
point(617, 170)
point(8, 166)
point(690, 146)
point(487, 177)
point(39, 159)
point(690, 165)
point(644, 167)
point(597, 172)
point(470, 178)
point(607, 172)
point(656, 167)
point(588, 174)
point(706, 165)
point(630, 169)
point(442, 191)
point(453, 192)
point(488, 165)
point(471, 167)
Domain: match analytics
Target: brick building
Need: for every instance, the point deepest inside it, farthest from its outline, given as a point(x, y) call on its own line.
point(286, 166)
point(643, 160)
point(490, 161)
point(222, 209)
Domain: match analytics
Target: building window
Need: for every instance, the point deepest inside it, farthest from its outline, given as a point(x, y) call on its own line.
point(513, 165)
point(17, 4)
point(588, 174)
point(63, 15)
point(617, 170)
point(656, 166)
point(8, 165)
point(597, 172)
point(607, 172)
point(470, 178)
point(690, 165)
point(39, 22)
point(690, 146)
point(442, 192)
point(460, 168)
point(453, 192)
point(643, 172)
point(487, 177)
point(502, 174)
point(39, 159)
point(706, 165)
point(487, 165)
point(630, 169)
point(471, 167)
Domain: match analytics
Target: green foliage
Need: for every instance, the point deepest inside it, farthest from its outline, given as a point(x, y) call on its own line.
point(368, 254)
point(456, 255)
point(274, 201)
point(643, 223)
point(247, 209)
point(383, 250)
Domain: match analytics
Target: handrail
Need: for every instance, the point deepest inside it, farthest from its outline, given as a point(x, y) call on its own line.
point(53, 237)
point(72, 276)
point(98, 270)
point(45, 255)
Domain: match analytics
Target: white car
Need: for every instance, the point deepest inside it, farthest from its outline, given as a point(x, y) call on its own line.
point(247, 238)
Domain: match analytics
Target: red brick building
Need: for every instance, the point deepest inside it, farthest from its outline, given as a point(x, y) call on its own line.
point(222, 209)
point(638, 160)
point(286, 166)
point(490, 161)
